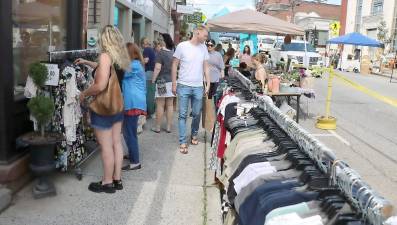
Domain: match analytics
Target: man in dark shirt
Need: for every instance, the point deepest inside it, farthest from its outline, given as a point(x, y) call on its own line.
point(149, 57)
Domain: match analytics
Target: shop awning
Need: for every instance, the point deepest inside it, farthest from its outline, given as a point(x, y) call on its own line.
point(355, 39)
point(254, 22)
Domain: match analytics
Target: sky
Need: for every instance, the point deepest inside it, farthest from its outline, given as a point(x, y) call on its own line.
point(210, 7)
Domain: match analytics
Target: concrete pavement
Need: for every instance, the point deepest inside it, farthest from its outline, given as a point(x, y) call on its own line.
point(169, 189)
point(366, 134)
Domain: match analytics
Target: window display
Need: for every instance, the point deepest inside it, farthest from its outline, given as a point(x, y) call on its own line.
point(38, 26)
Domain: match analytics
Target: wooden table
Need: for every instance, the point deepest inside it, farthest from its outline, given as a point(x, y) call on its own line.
point(289, 95)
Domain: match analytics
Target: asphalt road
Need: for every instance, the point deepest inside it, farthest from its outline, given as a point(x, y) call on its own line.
point(366, 134)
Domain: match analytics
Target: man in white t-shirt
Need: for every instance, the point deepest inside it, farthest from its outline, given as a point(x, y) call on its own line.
point(192, 57)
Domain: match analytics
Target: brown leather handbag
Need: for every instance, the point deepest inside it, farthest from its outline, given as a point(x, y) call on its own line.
point(110, 101)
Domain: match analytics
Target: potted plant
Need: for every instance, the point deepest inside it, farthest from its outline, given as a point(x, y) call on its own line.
point(41, 144)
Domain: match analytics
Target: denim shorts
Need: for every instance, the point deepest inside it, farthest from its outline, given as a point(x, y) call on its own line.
point(104, 122)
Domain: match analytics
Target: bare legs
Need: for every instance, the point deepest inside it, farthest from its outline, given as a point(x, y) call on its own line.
point(164, 105)
point(118, 150)
point(169, 106)
point(160, 104)
point(111, 152)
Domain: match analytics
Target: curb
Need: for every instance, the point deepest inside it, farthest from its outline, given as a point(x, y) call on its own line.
point(5, 198)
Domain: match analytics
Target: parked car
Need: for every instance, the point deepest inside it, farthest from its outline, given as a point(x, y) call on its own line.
point(265, 42)
point(296, 52)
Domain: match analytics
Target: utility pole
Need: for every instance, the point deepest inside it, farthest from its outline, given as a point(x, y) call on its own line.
point(293, 4)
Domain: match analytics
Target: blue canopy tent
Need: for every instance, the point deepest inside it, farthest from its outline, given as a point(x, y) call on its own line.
point(355, 39)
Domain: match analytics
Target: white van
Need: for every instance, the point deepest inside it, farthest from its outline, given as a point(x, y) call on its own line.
point(265, 42)
point(296, 52)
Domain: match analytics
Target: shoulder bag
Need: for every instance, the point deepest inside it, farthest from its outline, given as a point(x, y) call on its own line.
point(109, 101)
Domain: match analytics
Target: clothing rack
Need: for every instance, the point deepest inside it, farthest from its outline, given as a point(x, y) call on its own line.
point(80, 53)
point(91, 54)
point(373, 207)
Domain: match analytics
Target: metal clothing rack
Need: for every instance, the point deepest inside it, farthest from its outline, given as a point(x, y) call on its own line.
point(80, 53)
point(373, 207)
point(74, 54)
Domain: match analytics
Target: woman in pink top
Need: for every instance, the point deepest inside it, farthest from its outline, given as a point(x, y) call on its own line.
point(246, 56)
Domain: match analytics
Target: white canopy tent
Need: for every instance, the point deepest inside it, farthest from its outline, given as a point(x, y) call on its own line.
point(251, 21)
point(254, 22)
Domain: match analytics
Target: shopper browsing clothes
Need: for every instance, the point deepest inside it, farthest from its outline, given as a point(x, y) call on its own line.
point(260, 73)
point(229, 55)
point(107, 113)
point(163, 81)
point(192, 56)
point(216, 67)
point(149, 56)
point(134, 90)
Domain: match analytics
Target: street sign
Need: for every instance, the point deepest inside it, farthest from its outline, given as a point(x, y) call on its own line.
point(196, 18)
point(185, 9)
point(334, 28)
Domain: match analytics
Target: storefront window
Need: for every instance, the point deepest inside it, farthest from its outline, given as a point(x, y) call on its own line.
point(116, 16)
point(38, 26)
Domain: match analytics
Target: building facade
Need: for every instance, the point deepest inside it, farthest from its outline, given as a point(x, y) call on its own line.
point(29, 28)
point(134, 18)
point(364, 16)
point(314, 17)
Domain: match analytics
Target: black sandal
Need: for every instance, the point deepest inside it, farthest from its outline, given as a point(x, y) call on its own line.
point(118, 184)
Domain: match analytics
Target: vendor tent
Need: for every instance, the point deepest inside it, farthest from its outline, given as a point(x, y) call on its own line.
point(355, 39)
point(251, 21)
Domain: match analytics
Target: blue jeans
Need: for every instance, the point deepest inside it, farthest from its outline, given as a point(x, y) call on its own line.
point(131, 137)
point(195, 95)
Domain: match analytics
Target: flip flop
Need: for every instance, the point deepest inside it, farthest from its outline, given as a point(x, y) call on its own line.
point(194, 141)
point(183, 149)
point(154, 130)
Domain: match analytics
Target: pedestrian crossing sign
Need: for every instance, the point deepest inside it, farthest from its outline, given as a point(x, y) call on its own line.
point(334, 28)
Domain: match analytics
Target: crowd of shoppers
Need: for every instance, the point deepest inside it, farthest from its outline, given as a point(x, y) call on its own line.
point(132, 81)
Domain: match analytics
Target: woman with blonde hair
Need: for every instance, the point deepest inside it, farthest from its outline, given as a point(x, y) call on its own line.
point(260, 73)
point(134, 86)
point(107, 128)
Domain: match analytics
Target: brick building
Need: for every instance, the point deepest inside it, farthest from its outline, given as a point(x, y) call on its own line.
point(315, 17)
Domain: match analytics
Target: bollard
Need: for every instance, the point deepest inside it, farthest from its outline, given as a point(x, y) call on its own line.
point(327, 122)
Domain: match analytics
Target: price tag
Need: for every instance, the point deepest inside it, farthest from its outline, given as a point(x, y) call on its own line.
point(53, 74)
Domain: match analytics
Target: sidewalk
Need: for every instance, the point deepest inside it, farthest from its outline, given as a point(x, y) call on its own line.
point(169, 189)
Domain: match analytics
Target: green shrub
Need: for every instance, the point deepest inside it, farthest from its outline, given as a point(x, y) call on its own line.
point(41, 107)
point(39, 73)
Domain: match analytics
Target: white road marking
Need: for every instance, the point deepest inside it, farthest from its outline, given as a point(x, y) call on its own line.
point(323, 135)
point(340, 138)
